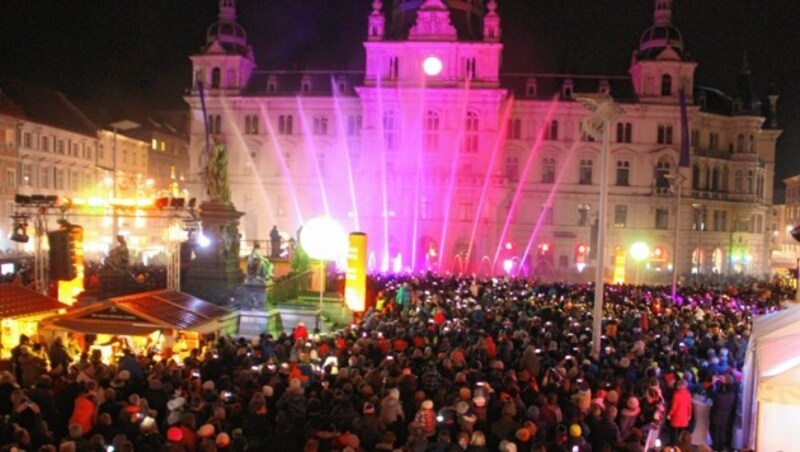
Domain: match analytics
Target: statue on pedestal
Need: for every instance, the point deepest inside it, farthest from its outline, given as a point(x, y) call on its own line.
point(119, 257)
point(217, 185)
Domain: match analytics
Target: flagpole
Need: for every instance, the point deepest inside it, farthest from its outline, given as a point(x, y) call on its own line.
point(683, 162)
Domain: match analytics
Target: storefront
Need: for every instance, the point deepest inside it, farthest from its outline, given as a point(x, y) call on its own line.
point(167, 322)
point(21, 310)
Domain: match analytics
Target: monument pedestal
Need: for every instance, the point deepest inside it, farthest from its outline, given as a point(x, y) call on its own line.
point(215, 273)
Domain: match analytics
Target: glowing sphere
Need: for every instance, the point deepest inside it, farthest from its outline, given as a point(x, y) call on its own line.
point(508, 265)
point(639, 251)
point(203, 241)
point(432, 66)
point(582, 249)
point(323, 238)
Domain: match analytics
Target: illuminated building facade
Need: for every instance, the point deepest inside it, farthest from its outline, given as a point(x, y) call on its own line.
point(448, 164)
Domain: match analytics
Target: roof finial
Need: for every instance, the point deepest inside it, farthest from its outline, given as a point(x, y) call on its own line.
point(662, 15)
point(227, 10)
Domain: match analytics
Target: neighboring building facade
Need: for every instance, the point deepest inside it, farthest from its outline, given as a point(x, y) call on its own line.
point(449, 164)
point(55, 145)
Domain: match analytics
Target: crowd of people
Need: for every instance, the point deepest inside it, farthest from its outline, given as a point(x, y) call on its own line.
point(436, 364)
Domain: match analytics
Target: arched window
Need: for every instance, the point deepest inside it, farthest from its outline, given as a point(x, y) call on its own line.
point(752, 144)
point(470, 144)
point(620, 132)
point(548, 170)
point(696, 177)
point(750, 186)
point(628, 132)
point(431, 128)
point(216, 77)
point(725, 186)
point(740, 143)
point(666, 85)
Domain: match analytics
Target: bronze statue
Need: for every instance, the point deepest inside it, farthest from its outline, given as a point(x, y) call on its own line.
point(217, 185)
point(119, 257)
point(259, 268)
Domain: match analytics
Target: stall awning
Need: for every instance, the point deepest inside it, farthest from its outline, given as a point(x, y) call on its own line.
point(141, 314)
point(113, 328)
point(17, 301)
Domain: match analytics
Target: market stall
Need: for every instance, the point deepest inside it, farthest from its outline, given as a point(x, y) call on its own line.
point(21, 309)
point(169, 322)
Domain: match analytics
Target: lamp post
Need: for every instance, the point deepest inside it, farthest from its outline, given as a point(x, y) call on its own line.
point(598, 125)
point(323, 239)
point(700, 224)
point(123, 126)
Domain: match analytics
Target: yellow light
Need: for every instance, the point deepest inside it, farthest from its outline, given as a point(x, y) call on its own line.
point(96, 202)
point(355, 288)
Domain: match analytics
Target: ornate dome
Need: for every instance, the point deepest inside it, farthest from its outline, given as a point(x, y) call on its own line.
point(661, 34)
point(226, 30)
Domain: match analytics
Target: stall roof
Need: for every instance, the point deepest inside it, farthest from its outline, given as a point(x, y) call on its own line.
point(141, 314)
point(19, 301)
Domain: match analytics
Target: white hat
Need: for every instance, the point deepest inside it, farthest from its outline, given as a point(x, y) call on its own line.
point(176, 404)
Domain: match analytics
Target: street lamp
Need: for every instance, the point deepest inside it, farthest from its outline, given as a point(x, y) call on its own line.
point(598, 125)
point(123, 126)
point(324, 239)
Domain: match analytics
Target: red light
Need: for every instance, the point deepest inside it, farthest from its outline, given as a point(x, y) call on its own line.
point(658, 252)
point(508, 245)
point(545, 247)
point(582, 249)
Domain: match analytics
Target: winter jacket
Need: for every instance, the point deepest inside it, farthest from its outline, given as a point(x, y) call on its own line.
point(83, 414)
point(391, 411)
point(680, 412)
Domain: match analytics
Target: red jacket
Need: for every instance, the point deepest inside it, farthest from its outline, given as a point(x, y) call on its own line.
point(680, 412)
point(83, 414)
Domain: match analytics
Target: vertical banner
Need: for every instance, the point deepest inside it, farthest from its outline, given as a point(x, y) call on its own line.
point(355, 288)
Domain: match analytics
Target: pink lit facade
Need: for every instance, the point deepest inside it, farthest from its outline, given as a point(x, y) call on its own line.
point(468, 169)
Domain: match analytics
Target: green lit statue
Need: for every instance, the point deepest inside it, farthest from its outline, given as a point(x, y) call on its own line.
point(259, 268)
point(217, 185)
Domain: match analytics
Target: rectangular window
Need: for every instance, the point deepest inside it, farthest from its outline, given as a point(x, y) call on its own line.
point(620, 216)
point(285, 124)
point(44, 179)
point(585, 175)
point(354, 126)
point(695, 138)
point(465, 208)
point(662, 218)
point(11, 179)
point(623, 173)
point(665, 134)
point(583, 214)
point(548, 170)
point(26, 139)
point(320, 125)
point(59, 183)
point(27, 175)
point(61, 147)
point(45, 144)
point(514, 131)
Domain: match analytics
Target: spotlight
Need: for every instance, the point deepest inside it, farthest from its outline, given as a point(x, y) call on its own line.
point(177, 203)
point(203, 241)
point(162, 203)
point(192, 203)
point(795, 233)
point(20, 229)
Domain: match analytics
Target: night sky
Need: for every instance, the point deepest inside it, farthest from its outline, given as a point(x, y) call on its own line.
point(134, 53)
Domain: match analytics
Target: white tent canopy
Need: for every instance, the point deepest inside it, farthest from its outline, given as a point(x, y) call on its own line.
point(771, 393)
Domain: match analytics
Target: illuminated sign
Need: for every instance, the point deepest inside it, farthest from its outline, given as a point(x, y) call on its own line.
point(355, 288)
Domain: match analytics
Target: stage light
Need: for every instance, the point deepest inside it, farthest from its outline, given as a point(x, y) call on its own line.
point(323, 238)
point(795, 233)
point(203, 241)
point(192, 203)
point(20, 233)
point(508, 265)
point(177, 203)
point(22, 199)
point(162, 203)
point(639, 251)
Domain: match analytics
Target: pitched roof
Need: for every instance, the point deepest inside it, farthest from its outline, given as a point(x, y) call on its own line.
point(178, 309)
point(47, 106)
point(19, 301)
